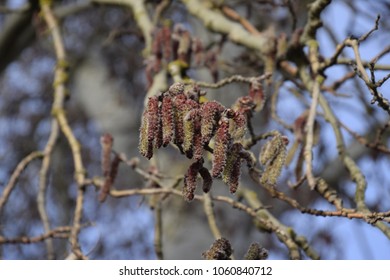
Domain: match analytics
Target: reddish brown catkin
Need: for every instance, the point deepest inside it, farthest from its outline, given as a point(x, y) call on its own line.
point(145, 146)
point(190, 181)
point(167, 42)
point(167, 119)
point(207, 179)
point(189, 132)
point(198, 144)
point(158, 137)
point(222, 143)
point(211, 113)
point(232, 171)
point(149, 126)
point(157, 46)
point(152, 117)
point(106, 141)
point(179, 106)
point(239, 126)
point(110, 179)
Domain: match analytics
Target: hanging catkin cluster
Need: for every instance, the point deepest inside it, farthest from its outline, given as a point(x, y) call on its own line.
point(176, 116)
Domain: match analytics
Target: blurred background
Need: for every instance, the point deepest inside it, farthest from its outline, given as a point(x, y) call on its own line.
point(107, 88)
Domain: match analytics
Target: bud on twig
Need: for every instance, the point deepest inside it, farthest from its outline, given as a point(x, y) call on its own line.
point(256, 252)
point(220, 250)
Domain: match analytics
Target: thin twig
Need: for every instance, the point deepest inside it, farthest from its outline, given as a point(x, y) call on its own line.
point(376, 26)
point(380, 55)
point(314, 20)
point(376, 145)
point(15, 176)
point(344, 212)
point(349, 213)
point(229, 12)
point(377, 96)
point(229, 80)
point(217, 22)
point(209, 210)
point(308, 153)
point(43, 173)
point(141, 16)
point(274, 101)
point(158, 231)
point(60, 232)
point(160, 8)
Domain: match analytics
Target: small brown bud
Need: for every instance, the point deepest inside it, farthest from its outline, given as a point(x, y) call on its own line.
point(176, 89)
point(257, 94)
point(181, 43)
point(220, 250)
point(106, 141)
point(256, 252)
point(211, 62)
point(198, 50)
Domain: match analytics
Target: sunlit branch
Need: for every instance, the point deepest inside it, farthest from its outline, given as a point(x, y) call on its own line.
point(308, 153)
point(43, 173)
point(218, 23)
point(229, 80)
point(60, 78)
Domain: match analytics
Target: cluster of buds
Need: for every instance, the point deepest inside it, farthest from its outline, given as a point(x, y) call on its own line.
point(178, 117)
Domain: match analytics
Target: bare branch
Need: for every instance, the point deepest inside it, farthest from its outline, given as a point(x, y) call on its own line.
point(60, 232)
point(59, 113)
point(15, 176)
